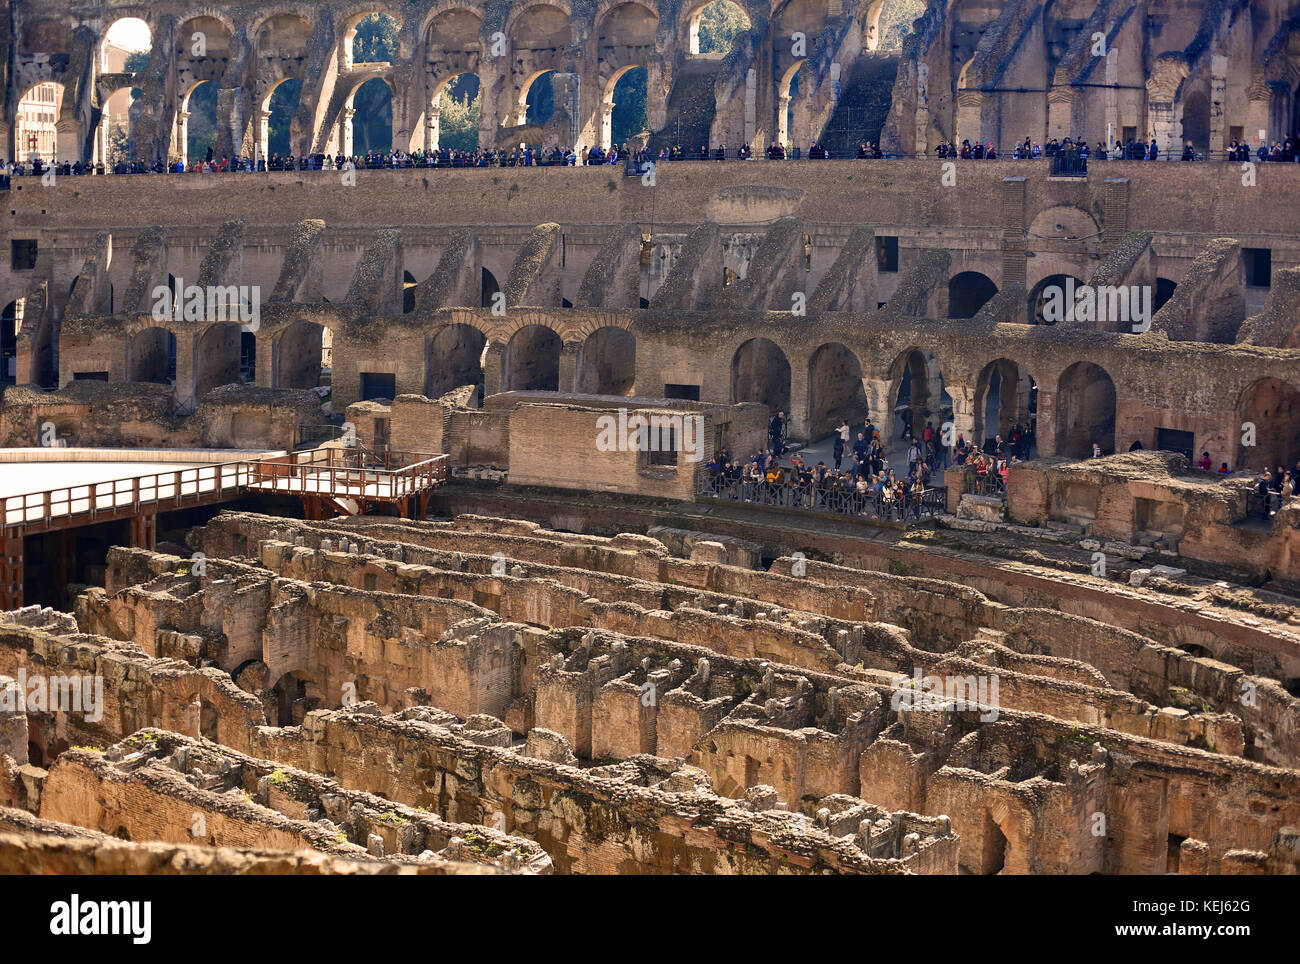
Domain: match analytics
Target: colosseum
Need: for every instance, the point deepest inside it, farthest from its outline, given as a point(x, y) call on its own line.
point(633, 438)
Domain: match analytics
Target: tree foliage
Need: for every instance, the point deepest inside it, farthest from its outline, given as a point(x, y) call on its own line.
point(458, 120)
point(629, 118)
point(720, 23)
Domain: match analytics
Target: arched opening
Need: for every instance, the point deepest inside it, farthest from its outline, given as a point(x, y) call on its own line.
point(532, 360)
point(538, 39)
point(1164, 291)
point(153, 356)
point(284, 46)
point(490, 289)
point(760, 372)
point(35, 128)
point(835, 390)
point(10, 324)
point(1271, 408)
point(968, 292)
point(1049, 299)
point(1005, 396)
point(607, 362)
point(294, 696)
point(125, 49)
point(453, 357)
point(456, 114)
point(200, 105)
point(537, 99)
point(373, 39)
point(786, 94)
point(1085, 411)
point(715, 26)
point(371, 124)
point(625, 44)
point(218, 359)
point(624, 113)
point(299, 355)
point(994, 856)
point(282, 104)
point(919, 395)
point(1196, 121)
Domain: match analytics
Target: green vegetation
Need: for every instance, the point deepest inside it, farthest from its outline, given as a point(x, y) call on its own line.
point(720, 24)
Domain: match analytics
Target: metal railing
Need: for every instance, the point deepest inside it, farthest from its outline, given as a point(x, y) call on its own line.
point(988, 483)
point(831, 500)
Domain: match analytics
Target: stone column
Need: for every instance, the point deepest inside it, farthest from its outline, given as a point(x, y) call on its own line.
point(494, 368)
point(183, 136)
point(569, 366)
point(880, 406)
point(606, 124)
point(1218, 95)
point(345, 130)
point(963, 412)
point(263, 134)
point(797, 414)
point(432, 130)
point(186, 352)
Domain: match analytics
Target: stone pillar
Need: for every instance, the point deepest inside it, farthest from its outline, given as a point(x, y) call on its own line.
point(782, 121)
point(751, 106)
point(263, 365)
point(186, 352)
point(606, 124)
point(432, 130)
point(880, 406)
point(263, 134)
point(797, 415)
point(68, 141)
point(494, 368)
point(1218, 95)
point(345, 130)
point(183, 136)
point(963, 411)
point(569, 366)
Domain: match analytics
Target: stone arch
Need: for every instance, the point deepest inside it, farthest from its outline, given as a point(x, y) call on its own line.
point(916, 394)
point(695, 16)
point(365, 102)
point(151, 356)
point(453, 356)
point(293, 696)
point(350, 54)
point(35, 130)
point(218, 357)
point(1272, 406)
point(532, 360)
point(607, 362)
point(760, 372)
point(1038, 304)
point(624, 78)
point(1085, 411)
point(462, 87)
point(279, 107)
point(968, 292)
point(835, 389)
point(297, 355)
point(538, 36)
point(1005, 395)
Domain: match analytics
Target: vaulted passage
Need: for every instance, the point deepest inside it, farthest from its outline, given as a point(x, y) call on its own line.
point(299, 353)
point(1270, 417)
point(760, 372)
point(1085, 413)
point(835, 390)
point(453, 357)
point(533, 360)
point(968, 292)
point(1005, 396)
point(607, 364)
point(153, 356)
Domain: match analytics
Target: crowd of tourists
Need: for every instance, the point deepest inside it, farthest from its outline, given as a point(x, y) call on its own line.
point(1066, 154)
